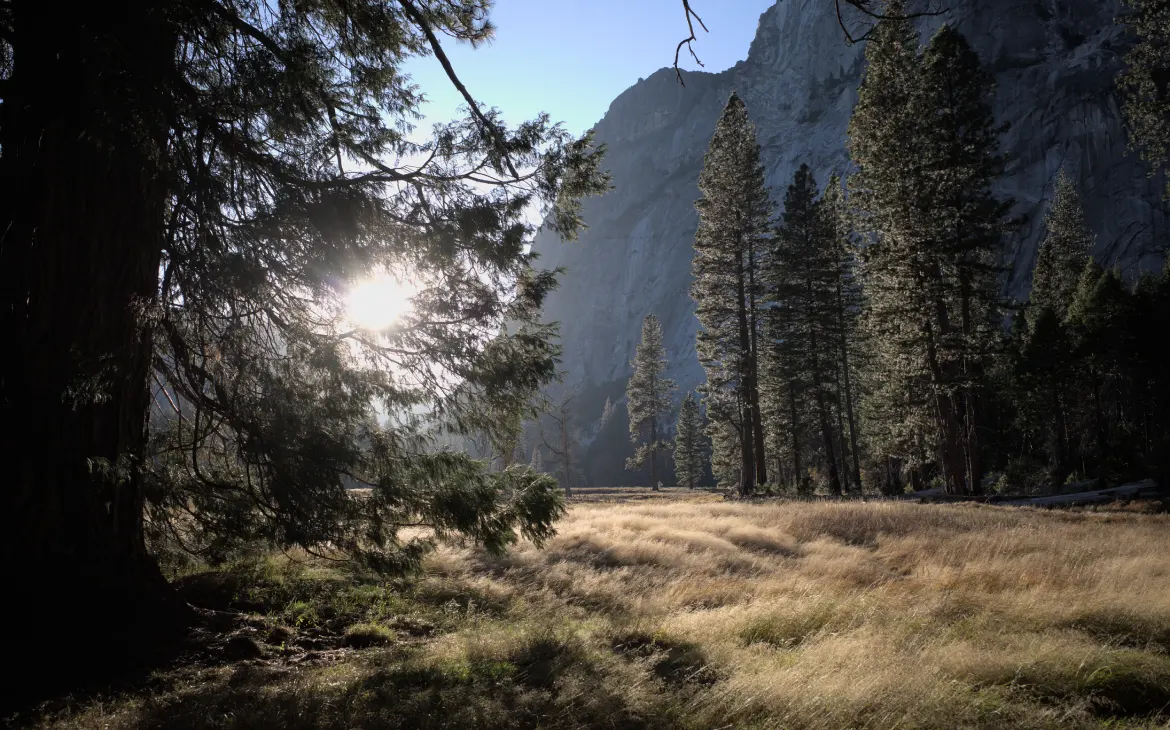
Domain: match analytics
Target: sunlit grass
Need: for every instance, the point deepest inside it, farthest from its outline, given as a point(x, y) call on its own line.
point(700, 614)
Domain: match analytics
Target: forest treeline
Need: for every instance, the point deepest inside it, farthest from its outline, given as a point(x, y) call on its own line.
point(860, 339)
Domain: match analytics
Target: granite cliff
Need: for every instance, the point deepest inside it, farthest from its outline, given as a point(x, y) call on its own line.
point(1055, 63)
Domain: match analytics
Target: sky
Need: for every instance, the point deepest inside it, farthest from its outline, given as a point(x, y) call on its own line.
point(571, 58)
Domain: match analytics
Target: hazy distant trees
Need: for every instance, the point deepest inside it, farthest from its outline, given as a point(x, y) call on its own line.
point(730, 246)
point(648, 398)
point(560, 434)
point(1046, 373)
point(689, 446)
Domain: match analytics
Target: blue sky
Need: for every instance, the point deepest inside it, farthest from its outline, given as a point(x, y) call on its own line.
point(570, 58)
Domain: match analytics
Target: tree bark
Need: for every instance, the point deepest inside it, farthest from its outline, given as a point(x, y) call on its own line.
point(82, 216)
point(654, 453)
point(856, 458)
point(747, 477)
point(794, 427)
point(754, 388)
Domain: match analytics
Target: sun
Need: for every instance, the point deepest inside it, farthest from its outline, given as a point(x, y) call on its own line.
point(378, 303)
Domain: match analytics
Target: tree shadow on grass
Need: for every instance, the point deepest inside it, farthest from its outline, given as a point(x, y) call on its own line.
point(543, 682)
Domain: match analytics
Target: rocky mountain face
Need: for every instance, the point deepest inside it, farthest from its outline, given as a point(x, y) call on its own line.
point(1055, 64)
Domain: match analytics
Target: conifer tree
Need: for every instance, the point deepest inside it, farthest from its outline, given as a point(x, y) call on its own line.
point(1047, 367)
point(649, 398)
point(607, 412)
point(846, 307)
point(219, 176)
point(1064, 251)
point(802, 322)
point(1145, 82)
point(882, 140)
point(926, 144)
point(729, 247)
point(688, 444)
point(962, 224)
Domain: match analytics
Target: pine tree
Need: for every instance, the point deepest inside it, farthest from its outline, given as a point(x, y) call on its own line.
point(846, 307)
point(607, 412)
point(801, 326)
point(963, 229)
point(726, 451)
point(1146, 82)
point(688, 444)
point(1047, 368)
point(649, 398)
point(926, 145)
point(729, 247)
point(1064, 251)
point(218, 178)
point(883, 138)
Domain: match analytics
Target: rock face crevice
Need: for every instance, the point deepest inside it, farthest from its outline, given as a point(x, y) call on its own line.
point(1055, 63)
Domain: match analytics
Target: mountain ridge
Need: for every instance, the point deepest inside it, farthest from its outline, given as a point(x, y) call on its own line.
point(1055, 65)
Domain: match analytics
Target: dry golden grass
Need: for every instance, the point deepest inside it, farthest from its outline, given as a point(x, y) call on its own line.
point(710, 614)
point(876, 615)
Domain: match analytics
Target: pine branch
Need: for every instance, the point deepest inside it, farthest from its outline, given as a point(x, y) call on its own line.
point(489, 129)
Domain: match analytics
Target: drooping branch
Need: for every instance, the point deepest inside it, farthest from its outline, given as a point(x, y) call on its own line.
point(489, 129)
point(866, 8)
point(863, 6)
point(691, 16)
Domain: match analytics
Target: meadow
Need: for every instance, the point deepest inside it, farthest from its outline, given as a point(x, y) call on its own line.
point(680, 610)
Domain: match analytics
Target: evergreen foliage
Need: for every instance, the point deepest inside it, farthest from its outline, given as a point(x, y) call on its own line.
point(925, 143)
point(688, 444)
point(1065, 250)
point(802, 331)
point(845, 308)
point(1146, 82)
point(649, 398)
point(220, 174)
point(730, 246)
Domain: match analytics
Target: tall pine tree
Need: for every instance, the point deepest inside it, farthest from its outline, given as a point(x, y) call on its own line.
point(931, 272)
point(802, 322)
point(846, 307)
point(962, 223)
point(649, 398)
point(730, 242)
point(1064, 251)
point(688, 444)
point(883, 140)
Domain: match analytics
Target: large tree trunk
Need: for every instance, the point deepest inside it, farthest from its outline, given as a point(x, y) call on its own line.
point(654, 453)
point(827, 438)
point(82, 216)
point(856, 465)
point(754, 388)
point(747, 475)
point(794, 429)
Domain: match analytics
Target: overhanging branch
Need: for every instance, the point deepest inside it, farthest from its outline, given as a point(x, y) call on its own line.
point(490, 130)
point(691, 16)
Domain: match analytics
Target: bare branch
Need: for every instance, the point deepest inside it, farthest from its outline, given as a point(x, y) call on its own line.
point(864, 7)
point(690, 14)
